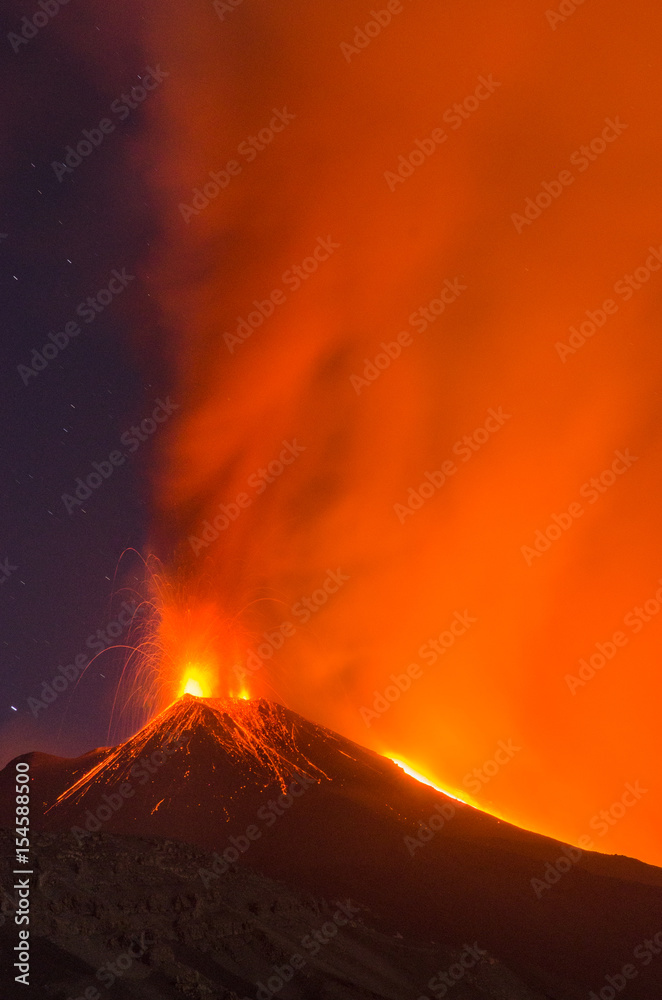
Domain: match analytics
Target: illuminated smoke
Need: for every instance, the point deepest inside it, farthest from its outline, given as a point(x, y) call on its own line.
point(396, 247)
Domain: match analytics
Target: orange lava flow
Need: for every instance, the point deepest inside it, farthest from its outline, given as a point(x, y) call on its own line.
point(426, 781)
point(250, 733)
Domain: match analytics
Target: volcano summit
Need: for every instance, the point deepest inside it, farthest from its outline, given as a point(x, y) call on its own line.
point(243, 795)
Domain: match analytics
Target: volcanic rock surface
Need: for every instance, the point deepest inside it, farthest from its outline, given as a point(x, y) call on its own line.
point(204, 784)
point(139, 918)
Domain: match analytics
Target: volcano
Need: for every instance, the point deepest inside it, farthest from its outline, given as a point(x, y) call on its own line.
point(257, 788)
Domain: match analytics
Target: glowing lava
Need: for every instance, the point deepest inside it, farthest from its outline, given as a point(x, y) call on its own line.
point(193, 687)
point(193, 647)
point(426, 781)
point(196, 680)
point(256, 735)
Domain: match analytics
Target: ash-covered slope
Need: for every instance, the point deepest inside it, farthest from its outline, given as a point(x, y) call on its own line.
point(133, 918)
point(350, 823)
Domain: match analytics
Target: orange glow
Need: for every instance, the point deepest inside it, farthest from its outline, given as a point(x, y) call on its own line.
point(258, 734)
point(193, 686)
point(251, 539)
point(425, 781)
point(195, 645)
point(241, 692)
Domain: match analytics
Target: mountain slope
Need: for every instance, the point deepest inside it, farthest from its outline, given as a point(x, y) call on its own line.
point(352, 824)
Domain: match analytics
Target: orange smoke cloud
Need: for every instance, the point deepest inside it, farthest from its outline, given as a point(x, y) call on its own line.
point(426, 498)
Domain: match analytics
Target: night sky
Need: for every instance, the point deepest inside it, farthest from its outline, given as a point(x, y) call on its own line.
point(64, 237)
